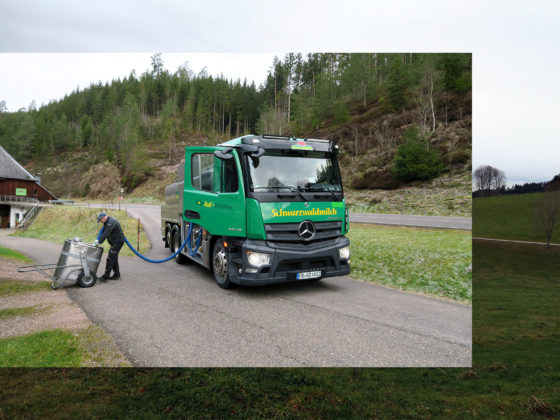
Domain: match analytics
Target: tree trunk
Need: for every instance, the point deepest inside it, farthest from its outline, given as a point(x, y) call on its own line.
point(432, 103)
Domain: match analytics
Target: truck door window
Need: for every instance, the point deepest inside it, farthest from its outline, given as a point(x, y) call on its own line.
point(230, 180)
point(202, 171)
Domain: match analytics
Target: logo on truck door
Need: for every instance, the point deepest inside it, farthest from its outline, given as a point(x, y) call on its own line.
point(205, 203)
point(211, 204)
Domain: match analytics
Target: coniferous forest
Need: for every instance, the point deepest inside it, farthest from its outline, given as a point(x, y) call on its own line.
point(121, 121)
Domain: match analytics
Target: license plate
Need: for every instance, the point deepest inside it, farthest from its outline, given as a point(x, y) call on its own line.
point(308, 275)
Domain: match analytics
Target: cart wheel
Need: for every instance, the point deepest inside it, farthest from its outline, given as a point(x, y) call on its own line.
point(85, 282)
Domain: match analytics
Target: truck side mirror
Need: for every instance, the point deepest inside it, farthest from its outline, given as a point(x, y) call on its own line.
point(224, 154)
point(258, 153)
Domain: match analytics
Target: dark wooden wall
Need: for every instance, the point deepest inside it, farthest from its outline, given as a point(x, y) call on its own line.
point(34, 190)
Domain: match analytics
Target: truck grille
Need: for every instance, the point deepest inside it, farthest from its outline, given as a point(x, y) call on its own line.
point(288, 232)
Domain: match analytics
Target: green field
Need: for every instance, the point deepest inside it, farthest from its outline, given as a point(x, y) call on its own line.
point(430, 261)
point(517, 296)
point(514, 374)
point(58, 223)
point(507, 217)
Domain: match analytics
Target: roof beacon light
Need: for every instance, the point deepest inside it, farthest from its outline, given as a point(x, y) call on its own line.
point(301, 145)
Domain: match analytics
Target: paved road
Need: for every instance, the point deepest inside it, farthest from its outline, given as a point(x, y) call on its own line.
point(416, 221)
point(171, 315)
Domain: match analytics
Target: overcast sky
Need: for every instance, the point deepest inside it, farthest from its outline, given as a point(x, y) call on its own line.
point(42, 77)
point(514, 43)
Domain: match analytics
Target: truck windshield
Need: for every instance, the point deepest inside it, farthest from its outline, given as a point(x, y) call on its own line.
point(291, 170)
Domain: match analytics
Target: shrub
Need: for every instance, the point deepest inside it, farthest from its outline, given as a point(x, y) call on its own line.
point(375, 179)
point(460, 156)
point(414, 160)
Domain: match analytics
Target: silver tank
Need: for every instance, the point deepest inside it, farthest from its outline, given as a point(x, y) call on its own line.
point(69, 264)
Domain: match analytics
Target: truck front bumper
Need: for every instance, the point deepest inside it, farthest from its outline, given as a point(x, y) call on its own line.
point(289, 262)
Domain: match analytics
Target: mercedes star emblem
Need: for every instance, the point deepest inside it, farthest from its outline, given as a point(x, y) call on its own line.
point(306, 230)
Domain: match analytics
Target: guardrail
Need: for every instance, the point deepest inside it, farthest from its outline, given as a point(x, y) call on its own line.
point(14, 199)
point(61, 201)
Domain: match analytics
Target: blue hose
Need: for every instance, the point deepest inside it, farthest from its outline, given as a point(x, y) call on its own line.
point(191, 252)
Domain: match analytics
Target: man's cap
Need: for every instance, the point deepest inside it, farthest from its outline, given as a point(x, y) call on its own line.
point(100, 216)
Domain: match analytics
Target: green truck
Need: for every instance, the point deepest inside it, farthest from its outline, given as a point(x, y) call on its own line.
point(259, 210)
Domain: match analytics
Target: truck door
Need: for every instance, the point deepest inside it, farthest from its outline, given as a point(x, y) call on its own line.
point(214, 196)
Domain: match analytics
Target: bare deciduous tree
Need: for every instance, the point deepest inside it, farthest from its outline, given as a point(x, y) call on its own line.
point(385, 136)
point(546, 214)
point(356, 136)
point(424, 98)
point(488, 178)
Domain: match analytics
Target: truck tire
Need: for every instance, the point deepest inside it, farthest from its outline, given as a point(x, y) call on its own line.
point(179, 258)
point(168, 237)
point(219, 265)
point(84, 282)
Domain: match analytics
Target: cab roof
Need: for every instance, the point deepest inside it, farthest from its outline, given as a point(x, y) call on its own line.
point(282, 142)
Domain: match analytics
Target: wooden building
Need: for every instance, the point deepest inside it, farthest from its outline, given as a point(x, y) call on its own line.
point(19, 191)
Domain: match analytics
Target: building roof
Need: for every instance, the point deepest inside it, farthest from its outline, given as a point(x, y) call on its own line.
point(9, 168)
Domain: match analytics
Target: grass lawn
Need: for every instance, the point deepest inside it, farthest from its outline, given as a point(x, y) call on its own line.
point(89, 347)
point(27, 310)
point(10, 287)
point(42, 349)
point(430, 261)
point(449, 195)
point(52, 348)
point(58, 223)
point(507, 217)
point(12, 254)
point(517, 297)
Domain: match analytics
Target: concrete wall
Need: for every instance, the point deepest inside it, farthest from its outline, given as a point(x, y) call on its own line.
point(19, 211)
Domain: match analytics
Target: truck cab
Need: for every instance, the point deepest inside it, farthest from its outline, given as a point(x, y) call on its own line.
point(260, 210)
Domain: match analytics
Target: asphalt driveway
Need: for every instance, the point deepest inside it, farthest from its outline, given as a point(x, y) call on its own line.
point(175, 315)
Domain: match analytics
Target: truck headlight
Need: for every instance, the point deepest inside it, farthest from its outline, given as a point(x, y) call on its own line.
point(344, 253)
point(257, 259)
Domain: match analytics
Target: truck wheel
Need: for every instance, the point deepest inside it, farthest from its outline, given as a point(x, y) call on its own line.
point(168, 238)
point(84, 282)
point(219, 265)
point(179, 258)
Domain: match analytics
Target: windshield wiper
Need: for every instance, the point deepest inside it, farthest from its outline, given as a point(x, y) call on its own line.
point(296, 190)
point(273, 187)
point(292, 189)
point(323, 191)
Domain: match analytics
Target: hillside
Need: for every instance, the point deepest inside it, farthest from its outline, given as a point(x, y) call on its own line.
point(368, 180)
point(130, 134)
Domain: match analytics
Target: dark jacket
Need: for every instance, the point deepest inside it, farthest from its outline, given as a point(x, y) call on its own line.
point(112, 232)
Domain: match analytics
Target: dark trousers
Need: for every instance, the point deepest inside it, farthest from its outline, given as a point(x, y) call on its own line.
point(113, 260)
